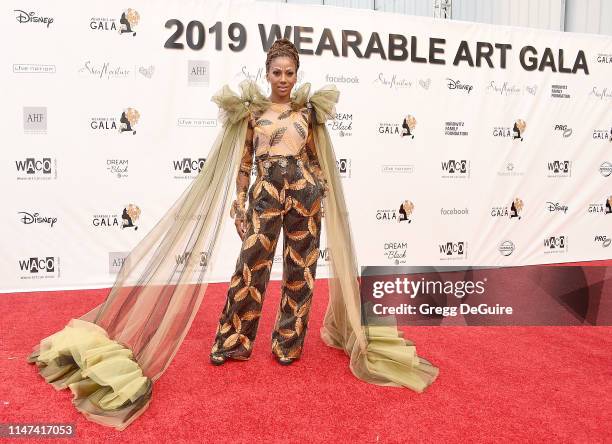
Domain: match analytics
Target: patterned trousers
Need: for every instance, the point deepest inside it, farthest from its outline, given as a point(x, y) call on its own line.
point(285, 194)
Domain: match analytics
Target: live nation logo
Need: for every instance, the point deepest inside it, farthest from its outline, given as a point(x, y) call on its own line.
point(33, 68)
point(402, 214)
point(512, 211)
point(407, 168)
point(344, 167)
point(559, 168)
point(124, 25)
point(452, 250)
point(128, 218)
point(555, 244)
point(118, 167)
point(516, 132)
point(455, 169)
point(341, 124)
point(396, 252)
point(125, 124)
point(39, 267)
point(188, 167)
point(196, 122)
point(33, 168)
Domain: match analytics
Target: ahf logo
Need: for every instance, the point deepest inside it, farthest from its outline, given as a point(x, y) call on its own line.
point(35, 119)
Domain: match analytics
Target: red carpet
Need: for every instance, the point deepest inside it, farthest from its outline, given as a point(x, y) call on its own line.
point(496, 383)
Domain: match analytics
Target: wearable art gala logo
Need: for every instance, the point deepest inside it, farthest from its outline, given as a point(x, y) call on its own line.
point(516, 132)
point(402, 214)
point(512, 211)
point(405, 129)
point(129, 217)
point(124, 125)
point(604, 208)
point(125, 24)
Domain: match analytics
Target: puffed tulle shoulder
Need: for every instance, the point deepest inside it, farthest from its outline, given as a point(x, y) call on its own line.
point(323, 102)
point(234, 107)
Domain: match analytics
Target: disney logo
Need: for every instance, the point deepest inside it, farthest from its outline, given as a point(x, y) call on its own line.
point(456, 84)
point(28, 218)
point(26, 17)
point(555, 206)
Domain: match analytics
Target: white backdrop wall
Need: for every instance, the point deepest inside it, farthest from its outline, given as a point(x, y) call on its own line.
point(589, 16)
point(68, 173)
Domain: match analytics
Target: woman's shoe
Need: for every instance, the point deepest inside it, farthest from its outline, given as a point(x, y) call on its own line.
point(284, 361)
point(216, 359)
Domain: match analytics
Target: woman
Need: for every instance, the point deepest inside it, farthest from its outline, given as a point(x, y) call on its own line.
point(111, 356)
point(287, 194)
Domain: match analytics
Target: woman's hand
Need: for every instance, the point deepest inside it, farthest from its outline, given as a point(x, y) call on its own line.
point(242, 227)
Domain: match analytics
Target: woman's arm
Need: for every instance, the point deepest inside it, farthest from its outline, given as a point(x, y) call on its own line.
point(313, 157)
point(243, 179)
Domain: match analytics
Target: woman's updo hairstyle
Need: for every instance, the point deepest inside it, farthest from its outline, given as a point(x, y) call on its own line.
point(283, 48)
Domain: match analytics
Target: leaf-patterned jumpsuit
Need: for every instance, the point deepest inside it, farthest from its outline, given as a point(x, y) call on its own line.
point(287, 194)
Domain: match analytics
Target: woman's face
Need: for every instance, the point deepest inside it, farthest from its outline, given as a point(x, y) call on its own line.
point(282, 75)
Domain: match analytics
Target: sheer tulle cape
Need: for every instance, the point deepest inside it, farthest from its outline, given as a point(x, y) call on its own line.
point(110, 356)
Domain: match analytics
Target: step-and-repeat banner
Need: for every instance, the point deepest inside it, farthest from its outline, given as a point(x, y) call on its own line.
point(458, 143)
